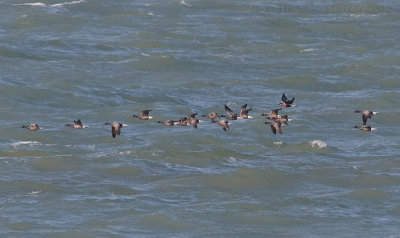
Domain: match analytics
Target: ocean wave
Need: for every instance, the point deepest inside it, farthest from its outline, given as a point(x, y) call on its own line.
point(40, 4)
point(318, 143)
point(29, 143)
point(307, 50)
point(67, 3)
point(278, 143)
point(183, 3)
point(33, 4)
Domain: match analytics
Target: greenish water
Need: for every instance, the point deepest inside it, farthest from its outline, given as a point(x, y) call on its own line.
point(103, 61)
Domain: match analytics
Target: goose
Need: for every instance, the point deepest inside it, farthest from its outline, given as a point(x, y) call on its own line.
point(115, 127)
point(144, 115)
point(365, 115)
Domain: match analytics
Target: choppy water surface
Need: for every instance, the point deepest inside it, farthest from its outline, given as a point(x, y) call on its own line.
point(104, 61)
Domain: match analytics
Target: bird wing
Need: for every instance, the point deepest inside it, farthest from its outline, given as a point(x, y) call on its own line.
point(193, 115)
point(145, 112)
point(113, 132)
point(278, 127)
point(275, 111)
point(284, 98)
point(364, 118)
point(273, 128)
point(118, 129)
point(228, 110)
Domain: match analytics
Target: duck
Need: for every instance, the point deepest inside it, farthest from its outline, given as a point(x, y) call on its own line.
point(115, 127)
point(167, 123)
point(32, 127)
point(144, 115)
point(275, 126)
point(365, 128)
point(286, 102)
point(365, 115)
point(224, 124)
point(212, 116)
point(244, 113)
point(76, 125)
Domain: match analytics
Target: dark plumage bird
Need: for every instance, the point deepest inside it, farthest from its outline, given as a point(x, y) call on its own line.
point(115, 127)
point(167, 123)
point(144, 115)
point(365, 128)
point(193, 121)
point(275, 126)
point(223, 124)
point(244, 112)
point(273, 114)
point(32, 127)
point(286, 102)
point(230, 115)
point(365, 115)
point(283, 119)
point(212, 116)
point(76, 125)
point(183, 121)
point(188, 120)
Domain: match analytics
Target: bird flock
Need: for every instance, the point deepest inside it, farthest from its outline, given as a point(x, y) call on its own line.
point(275, 119)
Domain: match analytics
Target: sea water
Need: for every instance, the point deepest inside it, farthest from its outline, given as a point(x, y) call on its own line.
point(103, 61)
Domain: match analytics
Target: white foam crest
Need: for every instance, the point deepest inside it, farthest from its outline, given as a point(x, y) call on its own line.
point(128, 152)
point(99, 155)
point(30, 143)
point(353, 15)
point(321, 144)
point(232, 161)
point(67, 3)
point(278, 142)
point(185, 3)
point(40, 4)
point(307, 50)
point(33, 4)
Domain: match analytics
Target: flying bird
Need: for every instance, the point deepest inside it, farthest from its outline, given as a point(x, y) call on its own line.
point(244, 112)
point(273, 114)
point(76, 125)
point(286, 102)
point(115, 127)
point(365, 128)
point(230, 115)
point(144, 115)
point(212, 116)
point(275, 126)
point(365, 115)
point(32, 127)
point(167, 123)
point(224, 124)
